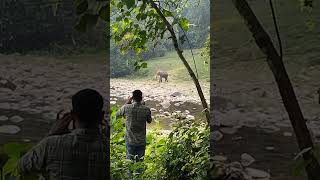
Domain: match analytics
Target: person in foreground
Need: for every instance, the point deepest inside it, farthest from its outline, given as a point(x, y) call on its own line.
point(77, 154)
point(137, 114)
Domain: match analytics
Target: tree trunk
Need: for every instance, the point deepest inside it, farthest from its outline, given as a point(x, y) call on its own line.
point(184, 61)
point(284, 85)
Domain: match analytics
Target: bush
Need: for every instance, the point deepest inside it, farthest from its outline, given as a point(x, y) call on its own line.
point(183, 154)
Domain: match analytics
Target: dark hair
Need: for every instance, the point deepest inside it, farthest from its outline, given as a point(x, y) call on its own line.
point(88, 104)
point(137, 95)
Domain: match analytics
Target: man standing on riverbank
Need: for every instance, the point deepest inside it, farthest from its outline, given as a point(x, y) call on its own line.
point(78, 154)
point(137, 114)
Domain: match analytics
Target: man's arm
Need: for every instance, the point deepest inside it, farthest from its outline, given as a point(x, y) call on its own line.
point(34, 160)
point(149, 117)
point(121, 112)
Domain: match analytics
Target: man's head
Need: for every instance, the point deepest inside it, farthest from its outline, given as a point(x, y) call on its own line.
point(87, 106)
point(137, 96)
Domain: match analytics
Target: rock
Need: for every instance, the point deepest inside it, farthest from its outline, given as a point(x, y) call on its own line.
point(187, 111)
point(176, 94)
point(256, 173)
point(228, 130)
point(4, 83)
point(16, 119)
point(216, 135)
point(9, 129)
point(166, 113)
point(113, 102)
point(165, 104)
point(3, 118)
point(161, 111)
point(153, 110)
point(190, 117)
point(194, 108)
point(177, 104)
point(246, 159)
point(270, 148)
point(4, 106)
point(287, 134)
point(219, 158)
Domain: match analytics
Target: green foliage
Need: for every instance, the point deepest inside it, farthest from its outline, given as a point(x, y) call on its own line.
point(9, 156)
point(301, 164)
point(181, 155)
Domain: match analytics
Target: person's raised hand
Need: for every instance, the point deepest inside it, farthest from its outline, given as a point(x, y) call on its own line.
point(60, 126)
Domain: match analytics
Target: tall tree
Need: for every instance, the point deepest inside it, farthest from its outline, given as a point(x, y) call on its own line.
point(135, 22)
point(286, 90)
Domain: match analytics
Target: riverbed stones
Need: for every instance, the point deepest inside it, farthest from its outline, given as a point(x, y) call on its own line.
point(269, 148)
point(190, 117)
point(247, 159)
point(287, 134)
point(219, 158)
point(3, 118)
point(216, 135)
point(9, 129)
point(228, 130)
point(257, 174)
point(176, 94)
point(165, 104)
point(166, 113)
point(4, 106)
point(16, 119)
point(153, 110)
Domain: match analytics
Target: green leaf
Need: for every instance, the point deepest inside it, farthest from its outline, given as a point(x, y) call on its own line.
point(129, 3)
point(13, 149)
point(300, 167)
point(184, 24)
point(144, 65)
point(167, 13)
point(10, 166)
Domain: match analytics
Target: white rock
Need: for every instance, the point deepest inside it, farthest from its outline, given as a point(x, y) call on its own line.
point(270, 148)
point(9, 129)
point(256, 173)
point(287, 134)
point(16, 119)
point(187, 111)
point(190, 117)
point(165, 104)
point(219, 158)
point(3, 118)
point(216, 135)
point(177, 104)
point(113, 102)
point(176, 94)
point(166, 113)
point(153, 110)
point(246, 159)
